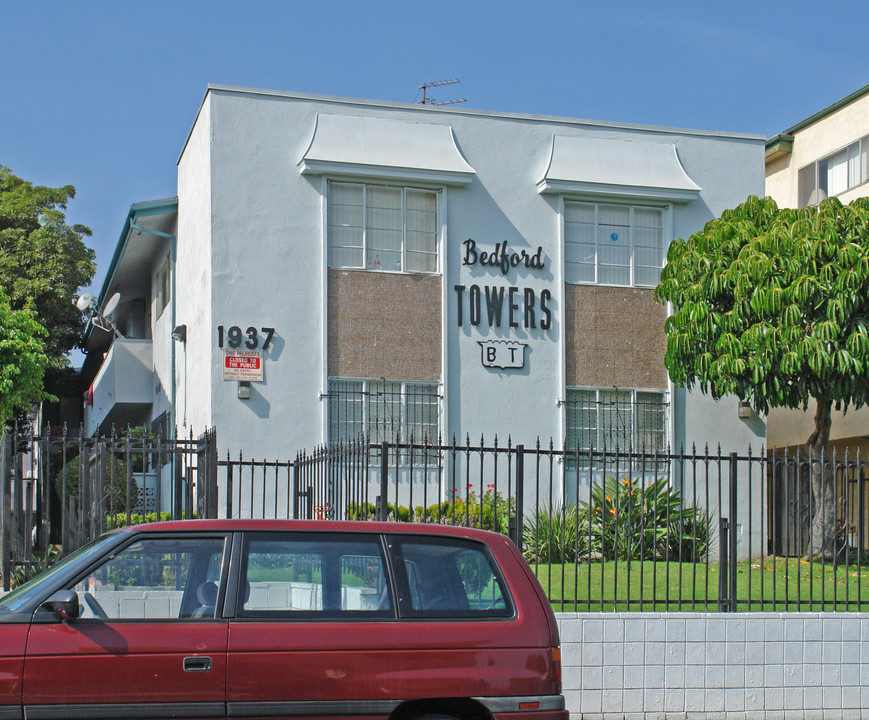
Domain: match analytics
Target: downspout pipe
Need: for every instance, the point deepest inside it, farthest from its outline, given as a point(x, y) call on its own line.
point(172, 256)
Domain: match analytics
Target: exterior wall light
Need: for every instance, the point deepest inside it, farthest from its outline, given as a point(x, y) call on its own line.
point(744, 411)
point(243, 390)
point(179, 333)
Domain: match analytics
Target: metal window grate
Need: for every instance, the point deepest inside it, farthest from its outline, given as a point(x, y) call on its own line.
point(616, 420)
point(383, 411)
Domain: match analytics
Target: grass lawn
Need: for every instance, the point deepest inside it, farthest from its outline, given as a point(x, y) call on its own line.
point(773, 585)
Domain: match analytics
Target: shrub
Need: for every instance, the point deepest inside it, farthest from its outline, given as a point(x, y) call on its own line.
point(690, 541)
point(38, 564)
point(360, 511)
point(638, 521)
point(493, 512)
point(556, 535)
point(120, 519)
point(626, 519)
point(368, 511)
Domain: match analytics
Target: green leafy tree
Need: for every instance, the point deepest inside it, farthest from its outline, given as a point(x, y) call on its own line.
point(44, 261)
point(771, 305)
point(22, 360)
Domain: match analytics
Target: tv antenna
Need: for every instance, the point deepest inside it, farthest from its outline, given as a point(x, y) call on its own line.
point(427, 100)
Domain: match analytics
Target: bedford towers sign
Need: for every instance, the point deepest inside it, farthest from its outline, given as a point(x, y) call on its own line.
point(496, 305)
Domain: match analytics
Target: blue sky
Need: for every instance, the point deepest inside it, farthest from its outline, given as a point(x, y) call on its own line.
point(101, 94)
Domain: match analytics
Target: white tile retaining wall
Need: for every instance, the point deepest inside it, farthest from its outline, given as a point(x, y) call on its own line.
point(687, 666)
point(712, 666)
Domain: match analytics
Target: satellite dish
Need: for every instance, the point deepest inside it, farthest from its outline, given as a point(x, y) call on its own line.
point(112, 304)
point(84, 301)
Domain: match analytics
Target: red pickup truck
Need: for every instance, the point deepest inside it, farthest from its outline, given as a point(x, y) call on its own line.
point(283, 619)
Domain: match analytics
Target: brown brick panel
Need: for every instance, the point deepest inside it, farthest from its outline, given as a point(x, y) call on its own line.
point(384, 325)
point(615, 337)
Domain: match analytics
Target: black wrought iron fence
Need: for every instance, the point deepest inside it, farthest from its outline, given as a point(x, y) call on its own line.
point(58, 491)
point(602, 529)
point(620, 529)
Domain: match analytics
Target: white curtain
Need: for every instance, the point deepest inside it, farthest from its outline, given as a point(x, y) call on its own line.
point(837, 173)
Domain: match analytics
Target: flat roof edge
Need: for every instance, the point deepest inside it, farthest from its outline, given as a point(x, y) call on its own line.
point(168, 203)
point(193, 124)
point(453, 110)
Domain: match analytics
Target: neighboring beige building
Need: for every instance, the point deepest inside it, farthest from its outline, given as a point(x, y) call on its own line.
point(825, 155)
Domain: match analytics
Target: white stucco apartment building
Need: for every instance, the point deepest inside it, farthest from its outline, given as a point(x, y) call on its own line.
point(405, 268)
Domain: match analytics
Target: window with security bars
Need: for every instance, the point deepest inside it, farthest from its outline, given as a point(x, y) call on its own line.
point(609, 244)
point(834, 174)
point(616, 419)
point(383, 410)
point(382, 227)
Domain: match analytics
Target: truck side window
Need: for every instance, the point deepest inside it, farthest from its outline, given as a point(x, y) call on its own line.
point(447, 577)
point(155, 578)
point(312, 574)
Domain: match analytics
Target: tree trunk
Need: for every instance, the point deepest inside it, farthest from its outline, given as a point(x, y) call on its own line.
point(823, 535)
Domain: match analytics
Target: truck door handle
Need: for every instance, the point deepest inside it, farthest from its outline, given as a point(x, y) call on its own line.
point(197, 664)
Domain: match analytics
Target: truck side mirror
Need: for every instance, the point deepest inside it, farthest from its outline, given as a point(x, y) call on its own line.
point(64, 604)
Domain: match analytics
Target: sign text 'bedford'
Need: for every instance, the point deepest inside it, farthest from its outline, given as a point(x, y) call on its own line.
point(495, 305)
point(501, 257)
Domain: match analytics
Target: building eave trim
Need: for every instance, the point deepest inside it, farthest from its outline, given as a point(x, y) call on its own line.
point(829, 110)
point(622, 192)
point(137, 210)
point(383, 172)
point(144, 209)
point(778, 146)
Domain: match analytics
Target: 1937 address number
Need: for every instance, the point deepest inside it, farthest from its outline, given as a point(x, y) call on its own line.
point(234, 337)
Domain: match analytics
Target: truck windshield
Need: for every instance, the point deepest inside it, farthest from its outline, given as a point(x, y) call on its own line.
point(32, 589)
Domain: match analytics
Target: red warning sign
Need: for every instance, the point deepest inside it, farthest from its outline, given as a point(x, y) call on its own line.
point(243, 365)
